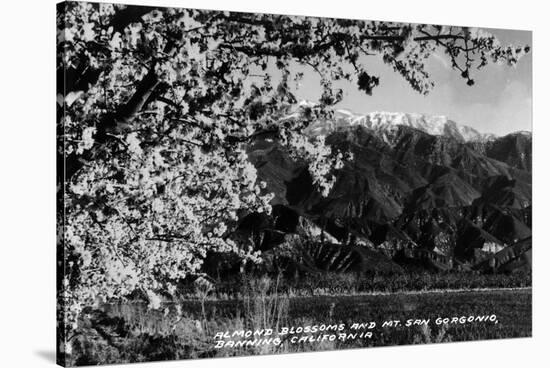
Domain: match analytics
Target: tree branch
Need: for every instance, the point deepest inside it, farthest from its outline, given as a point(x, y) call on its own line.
point(128, 15)
point(113, 122)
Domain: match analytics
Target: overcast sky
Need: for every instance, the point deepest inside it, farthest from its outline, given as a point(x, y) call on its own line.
point(499, 102)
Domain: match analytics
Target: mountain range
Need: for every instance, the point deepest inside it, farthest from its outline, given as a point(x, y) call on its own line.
point(384, 122)
point(420, 192)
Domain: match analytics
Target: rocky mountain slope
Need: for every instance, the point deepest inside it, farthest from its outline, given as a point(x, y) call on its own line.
point(420, 191)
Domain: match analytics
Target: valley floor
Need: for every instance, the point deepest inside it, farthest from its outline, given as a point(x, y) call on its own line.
point(187, 329)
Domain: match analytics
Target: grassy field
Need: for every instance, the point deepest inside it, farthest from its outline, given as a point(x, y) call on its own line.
point(183, 330)
point(348, 283)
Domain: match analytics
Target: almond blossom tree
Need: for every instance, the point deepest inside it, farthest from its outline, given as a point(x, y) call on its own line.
point(156, 108)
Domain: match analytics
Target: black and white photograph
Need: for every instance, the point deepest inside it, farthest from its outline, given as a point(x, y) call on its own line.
point(233, 183)
point(269, 183)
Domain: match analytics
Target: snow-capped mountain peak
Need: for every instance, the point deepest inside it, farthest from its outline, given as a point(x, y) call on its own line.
point(382, 121)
